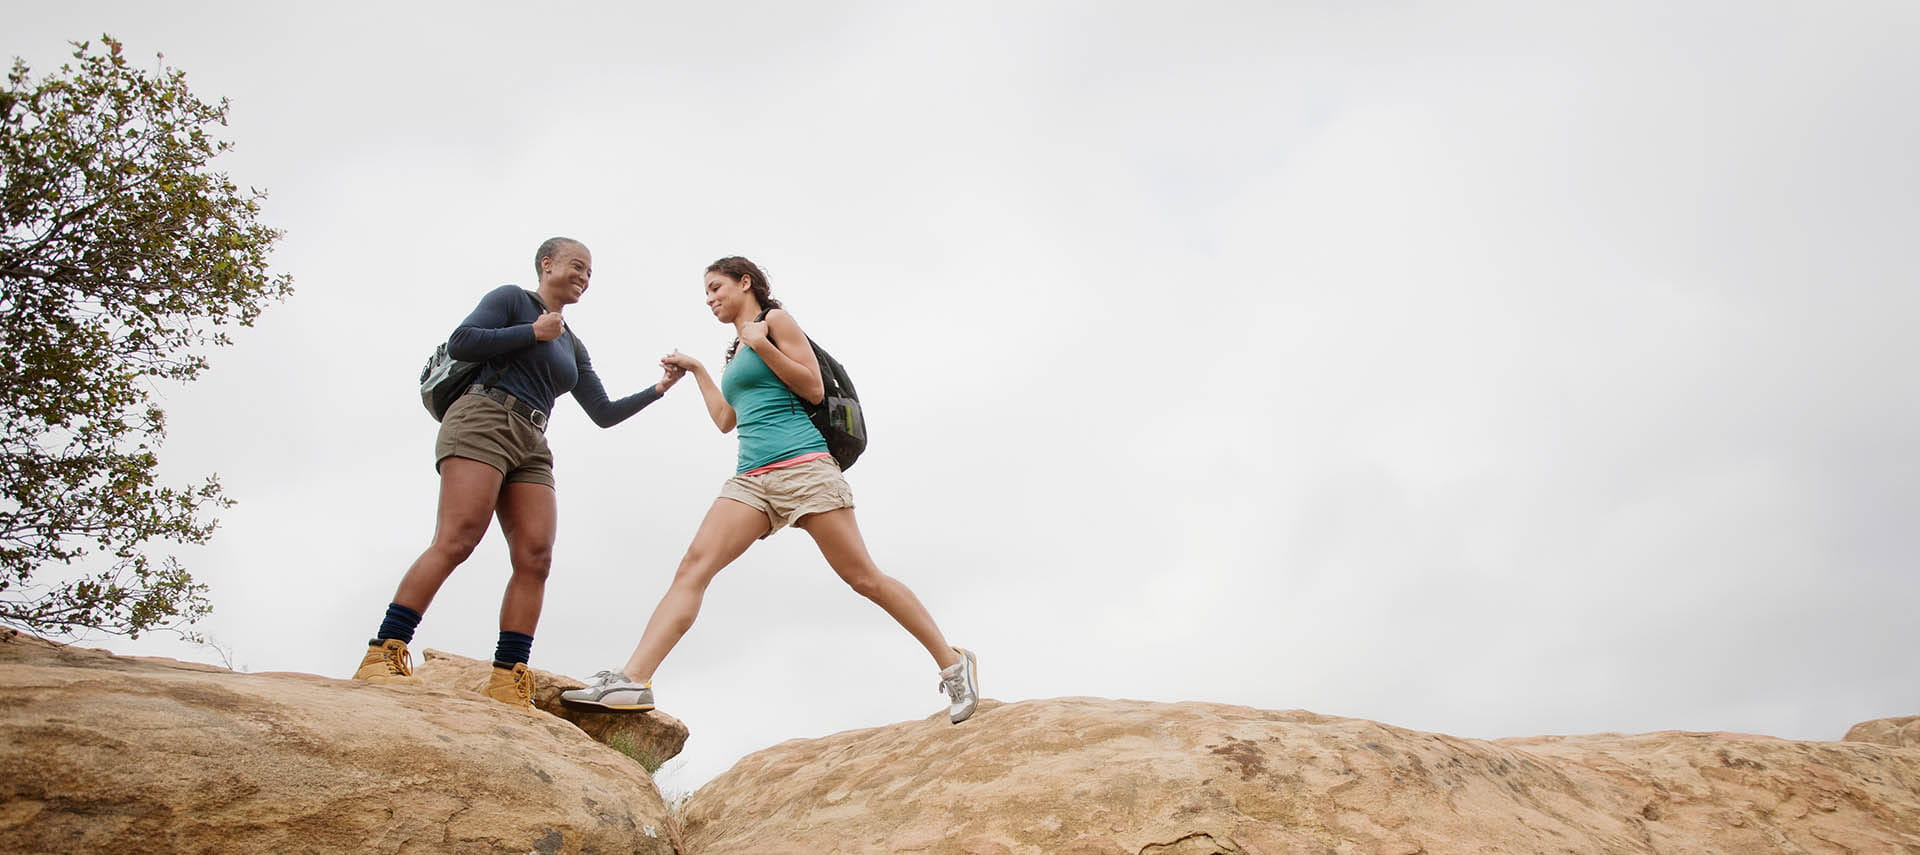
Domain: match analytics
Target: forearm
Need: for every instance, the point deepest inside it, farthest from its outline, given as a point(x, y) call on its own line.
point(479, 344)
point(607, 413)
point(493, 328)
point(723, 415)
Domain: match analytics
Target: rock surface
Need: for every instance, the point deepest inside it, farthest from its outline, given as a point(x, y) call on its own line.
point(1082, 776)
point(133, 755)
point(1901, 732)
point(652, 737)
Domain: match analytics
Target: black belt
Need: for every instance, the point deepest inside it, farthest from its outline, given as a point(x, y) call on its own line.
point(539, 419)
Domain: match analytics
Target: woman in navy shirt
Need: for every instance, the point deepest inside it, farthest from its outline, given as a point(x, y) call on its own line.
point(493, 459)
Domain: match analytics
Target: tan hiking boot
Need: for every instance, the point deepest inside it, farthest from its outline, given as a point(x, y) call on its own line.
point(386, 662)
point(511, 687)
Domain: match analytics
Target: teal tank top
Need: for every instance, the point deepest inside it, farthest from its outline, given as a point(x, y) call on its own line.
point(772, 421)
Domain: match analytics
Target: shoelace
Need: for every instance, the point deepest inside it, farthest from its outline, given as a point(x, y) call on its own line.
point(400, 662)
point(954, 685)
point(605, 678)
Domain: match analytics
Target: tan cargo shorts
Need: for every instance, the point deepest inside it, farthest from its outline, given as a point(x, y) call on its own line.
point(480, 428)
point(792, 492)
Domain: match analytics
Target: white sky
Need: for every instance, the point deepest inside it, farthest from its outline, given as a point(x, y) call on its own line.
point(1493, 370)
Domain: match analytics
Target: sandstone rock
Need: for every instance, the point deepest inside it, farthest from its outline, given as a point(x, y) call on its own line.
point(652, 737)
point(1102, 777)
point(131, 755)
point(1898, 732)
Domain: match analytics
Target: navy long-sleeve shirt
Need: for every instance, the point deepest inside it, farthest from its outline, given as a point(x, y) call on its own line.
point(500, 333)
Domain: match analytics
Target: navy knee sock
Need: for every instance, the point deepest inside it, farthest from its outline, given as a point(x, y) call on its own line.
point(400, 623)
point(514, 649)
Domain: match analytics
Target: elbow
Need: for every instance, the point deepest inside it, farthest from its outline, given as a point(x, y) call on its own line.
point(463, 345)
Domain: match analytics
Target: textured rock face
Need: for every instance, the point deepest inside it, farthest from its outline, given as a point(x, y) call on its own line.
point(1901, 732)
point(1080, 776)
point(652, 737)
point(111, 754)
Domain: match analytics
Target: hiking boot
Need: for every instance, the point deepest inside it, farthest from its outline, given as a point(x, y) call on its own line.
point(962, 684)
point(611, 690)
point(510, 686)
point(387, 661)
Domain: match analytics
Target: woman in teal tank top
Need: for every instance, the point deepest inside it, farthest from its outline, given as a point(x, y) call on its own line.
point(783, 476)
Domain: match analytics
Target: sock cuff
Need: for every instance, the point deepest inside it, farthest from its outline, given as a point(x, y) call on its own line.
point(513, 648)
point(400, 622)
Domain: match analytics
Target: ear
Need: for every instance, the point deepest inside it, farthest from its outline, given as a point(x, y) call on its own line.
point(746, 281)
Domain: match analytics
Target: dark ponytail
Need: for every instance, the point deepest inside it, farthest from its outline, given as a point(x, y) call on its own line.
point(739, 268)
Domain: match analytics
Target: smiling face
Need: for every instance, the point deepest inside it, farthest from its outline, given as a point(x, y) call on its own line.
point(728, 298)
point(566, 272)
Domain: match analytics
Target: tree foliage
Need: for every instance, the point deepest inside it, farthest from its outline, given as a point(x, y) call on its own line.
point(123, 255)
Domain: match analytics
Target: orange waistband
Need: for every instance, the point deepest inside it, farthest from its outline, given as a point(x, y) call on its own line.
point(791, 461)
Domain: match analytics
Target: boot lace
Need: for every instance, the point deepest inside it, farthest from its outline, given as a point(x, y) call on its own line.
point(400, 662)
point(955, 686)
point(606, 678)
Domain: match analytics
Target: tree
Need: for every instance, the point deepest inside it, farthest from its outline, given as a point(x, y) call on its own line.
point(123, 255)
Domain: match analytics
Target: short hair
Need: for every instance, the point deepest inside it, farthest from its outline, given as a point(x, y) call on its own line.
point(548, 248)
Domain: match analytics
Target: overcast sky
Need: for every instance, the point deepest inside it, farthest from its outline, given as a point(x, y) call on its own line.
point(1491, 370)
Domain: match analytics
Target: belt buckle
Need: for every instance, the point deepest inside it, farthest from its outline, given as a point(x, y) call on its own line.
point(538, 418)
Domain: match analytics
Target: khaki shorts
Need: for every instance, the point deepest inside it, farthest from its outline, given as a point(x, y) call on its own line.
point(792, 492)
point(480, 428)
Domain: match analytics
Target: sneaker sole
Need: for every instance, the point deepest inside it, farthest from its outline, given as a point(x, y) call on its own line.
point(599, 705)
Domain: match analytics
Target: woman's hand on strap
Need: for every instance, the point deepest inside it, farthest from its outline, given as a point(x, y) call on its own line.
point(754, 334)
point(548, 326)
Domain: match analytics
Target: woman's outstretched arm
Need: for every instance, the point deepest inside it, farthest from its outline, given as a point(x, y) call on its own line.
point(592, 394)
point(723, 415)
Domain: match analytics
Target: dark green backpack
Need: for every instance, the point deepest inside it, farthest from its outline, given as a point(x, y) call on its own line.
point(838, 416)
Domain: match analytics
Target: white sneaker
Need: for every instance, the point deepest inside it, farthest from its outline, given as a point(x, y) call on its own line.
point(613, 691)
point(962, 684)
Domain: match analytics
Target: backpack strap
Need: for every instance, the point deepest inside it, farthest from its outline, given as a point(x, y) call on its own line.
point(762, 319)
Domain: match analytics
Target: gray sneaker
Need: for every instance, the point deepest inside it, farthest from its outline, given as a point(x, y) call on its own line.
point(962, 684)
point(613, 691)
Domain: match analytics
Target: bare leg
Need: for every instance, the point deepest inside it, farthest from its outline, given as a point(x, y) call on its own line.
point(838, 536)
point(468, 490)
point(730, 527)
point(529, 517)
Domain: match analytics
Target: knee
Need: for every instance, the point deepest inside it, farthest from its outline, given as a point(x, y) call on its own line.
point(867, 584)
point(533, 560)
point(458, 542)
point(695, 568)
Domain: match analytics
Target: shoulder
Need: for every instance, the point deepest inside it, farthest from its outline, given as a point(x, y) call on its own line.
point(781, 320)
point(505, 296)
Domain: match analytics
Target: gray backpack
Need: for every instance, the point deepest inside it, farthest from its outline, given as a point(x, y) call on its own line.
point(445, 379)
